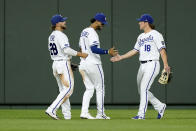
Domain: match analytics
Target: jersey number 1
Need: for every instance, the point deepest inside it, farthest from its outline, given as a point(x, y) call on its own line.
point(53, 49)
point(147, 48)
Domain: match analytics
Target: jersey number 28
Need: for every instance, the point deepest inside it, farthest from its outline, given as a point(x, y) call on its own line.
point(53, 49)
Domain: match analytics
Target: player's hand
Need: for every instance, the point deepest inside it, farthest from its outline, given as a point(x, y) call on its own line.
point(167, 68)
point(116, 58)
point(112, 51)
point(84, 55)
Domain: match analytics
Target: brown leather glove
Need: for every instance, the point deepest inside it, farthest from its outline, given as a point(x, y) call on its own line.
point(112, 51)
point(165, 77)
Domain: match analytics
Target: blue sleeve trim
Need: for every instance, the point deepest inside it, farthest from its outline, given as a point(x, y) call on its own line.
point(96, 50)
point(94, 45)
point(135, 49)
point(65, 47)
point(95, 42)
point(162, 48)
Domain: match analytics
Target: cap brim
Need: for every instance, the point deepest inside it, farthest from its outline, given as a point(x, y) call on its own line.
point(105, 23)
point(64, 19)
point(139, 19)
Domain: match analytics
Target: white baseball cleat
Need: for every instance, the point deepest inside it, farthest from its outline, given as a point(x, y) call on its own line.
point(138, 118)
point(52, 115)
point(86, 116)
point(100, 116)
point(67, 118)
point(161, 112)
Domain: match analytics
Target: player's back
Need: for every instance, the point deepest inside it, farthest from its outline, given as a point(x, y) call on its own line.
point(57, 41)
point(89, 38)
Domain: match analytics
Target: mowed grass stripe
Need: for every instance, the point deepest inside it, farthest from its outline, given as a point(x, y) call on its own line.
point(36, 120)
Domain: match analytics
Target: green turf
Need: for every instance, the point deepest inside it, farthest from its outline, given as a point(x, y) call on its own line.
point(36, 120)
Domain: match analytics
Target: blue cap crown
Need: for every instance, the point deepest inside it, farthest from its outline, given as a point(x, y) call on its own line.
point(101, 18)
point(57, 18)
point(146, 18)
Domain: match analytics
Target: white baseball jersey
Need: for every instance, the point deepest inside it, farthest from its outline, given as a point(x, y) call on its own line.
point(149, 45)
point(57, 42)
point(88, 38)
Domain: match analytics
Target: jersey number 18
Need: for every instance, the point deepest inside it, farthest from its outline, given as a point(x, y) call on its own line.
point(53, 49)
point(147, 48)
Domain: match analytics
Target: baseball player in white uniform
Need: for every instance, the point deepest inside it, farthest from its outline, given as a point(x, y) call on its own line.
point(149, 45)
point(91, 67)
point(61, 54)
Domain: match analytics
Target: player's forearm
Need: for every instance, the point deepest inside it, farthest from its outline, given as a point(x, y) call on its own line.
point(97, 50)
point(164, 57)
point(70, 51)
point(129, 54)
point(80, 54)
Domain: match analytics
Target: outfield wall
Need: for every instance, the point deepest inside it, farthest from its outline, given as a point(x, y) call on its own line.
point(25, 65)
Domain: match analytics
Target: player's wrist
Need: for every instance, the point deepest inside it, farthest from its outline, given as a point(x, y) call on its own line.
point(121, 57)
point(108, 52)
point(79, 54)
point(166, 65)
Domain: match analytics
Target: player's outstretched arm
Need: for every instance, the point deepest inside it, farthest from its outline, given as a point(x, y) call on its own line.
point(164, 58)
point(72, 52)
point(125, 56)
point(83, 55)
point(112, 51)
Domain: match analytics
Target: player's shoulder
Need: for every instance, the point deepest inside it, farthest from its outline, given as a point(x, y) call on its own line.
point(156, 33)
point(89, 29)
point(60, 34)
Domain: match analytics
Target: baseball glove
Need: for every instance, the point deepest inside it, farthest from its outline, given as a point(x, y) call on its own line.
point(74, 67)
point(165, 77)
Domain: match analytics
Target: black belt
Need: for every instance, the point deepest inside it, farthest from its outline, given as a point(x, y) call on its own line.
point(142, 62)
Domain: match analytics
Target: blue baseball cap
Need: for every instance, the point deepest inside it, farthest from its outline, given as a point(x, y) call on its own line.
point(146, 18)
point(101, 18)
point(57, 18)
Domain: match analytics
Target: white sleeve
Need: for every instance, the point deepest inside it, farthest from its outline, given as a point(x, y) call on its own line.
point(93, 39)
point(70, 51)
point(137, 47)
point(159, 41)
point(63, 41)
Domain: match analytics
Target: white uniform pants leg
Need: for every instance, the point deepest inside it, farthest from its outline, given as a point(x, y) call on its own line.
point(146, 75)
point(66, 109)
point(65, 92)
point(88, 92)
point(100, 89)
point(93, 79)
point(155, 102)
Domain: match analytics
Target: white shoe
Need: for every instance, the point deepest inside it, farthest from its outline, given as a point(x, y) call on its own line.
point(52, 115)
point(161, 112)
point(138, 118)
point(67, 115)
point(86, 116)
point(100, 116)
point(67, 118)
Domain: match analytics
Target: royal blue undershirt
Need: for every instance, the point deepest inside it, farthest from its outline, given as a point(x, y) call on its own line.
point(96, 50)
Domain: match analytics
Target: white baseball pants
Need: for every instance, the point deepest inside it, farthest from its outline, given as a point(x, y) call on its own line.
point(93, 78)
point(145, 77)
point(63, 67)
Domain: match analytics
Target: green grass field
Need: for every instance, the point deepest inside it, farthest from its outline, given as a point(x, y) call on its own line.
point(36, 120)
